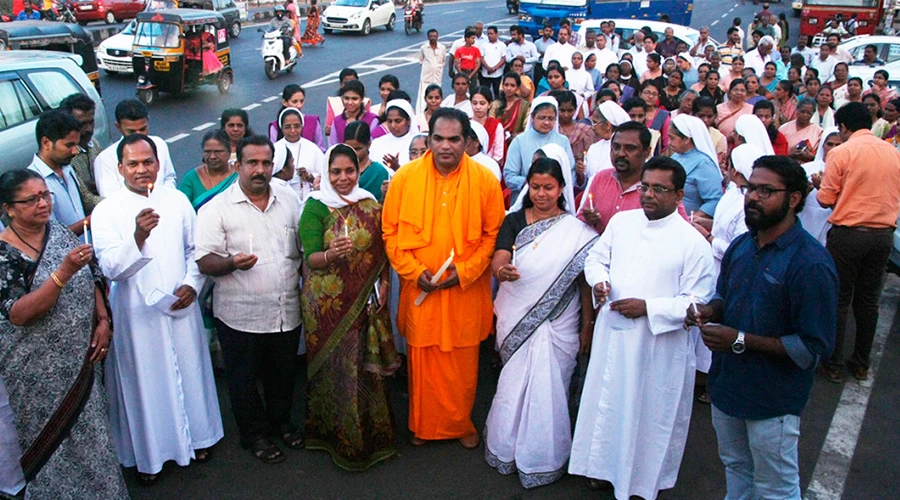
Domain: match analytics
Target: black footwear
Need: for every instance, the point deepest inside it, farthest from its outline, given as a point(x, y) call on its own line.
point(292, 437)
point(859, 373)
point(265, 451)
point(147, 479)
point(599, 485)
point(833, 375)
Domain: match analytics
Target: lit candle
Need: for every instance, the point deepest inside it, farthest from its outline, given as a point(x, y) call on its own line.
point(346, 230)
point(591, 201)
point(436, 277)
point(514, 256)
point(149, 189)
point(251, 244)
point(87, 232)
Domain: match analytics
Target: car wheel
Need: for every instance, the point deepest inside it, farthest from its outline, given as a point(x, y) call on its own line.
point(225, 82)
point(148, 96)
point(391, 21)
point(327, 31)
point(367, 27)
point(110, 17)
point(235, 30)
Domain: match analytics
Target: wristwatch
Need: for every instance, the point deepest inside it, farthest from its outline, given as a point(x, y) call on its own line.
point(738, 346)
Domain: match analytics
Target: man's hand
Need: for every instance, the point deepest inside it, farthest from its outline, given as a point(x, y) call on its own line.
point(424, 282)
point(451, 280)
point(703, 315)
point(243, 261)
point(630, 308)
point(145, 222)
point(601, 292)
point(186, 295)
point(592, 217)
point(718, 337)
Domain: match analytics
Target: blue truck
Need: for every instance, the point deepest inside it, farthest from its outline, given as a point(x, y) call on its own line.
point(534, 14)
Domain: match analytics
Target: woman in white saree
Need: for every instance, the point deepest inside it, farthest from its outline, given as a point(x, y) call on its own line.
point(544, 318)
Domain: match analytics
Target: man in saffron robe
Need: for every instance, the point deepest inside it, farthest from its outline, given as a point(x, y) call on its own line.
point(439, 203)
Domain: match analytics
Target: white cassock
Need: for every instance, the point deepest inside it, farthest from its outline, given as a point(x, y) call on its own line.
point(636, 406)
point(106, 168)
point(162, 394)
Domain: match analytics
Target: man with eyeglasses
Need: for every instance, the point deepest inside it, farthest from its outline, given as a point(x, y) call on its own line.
point(770, 321)
point(638, 392)
point(860, 182)
point(58, 134)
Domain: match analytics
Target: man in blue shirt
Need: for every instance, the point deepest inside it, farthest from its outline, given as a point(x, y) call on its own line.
point(58, 134)
point(28, 13)
point(771, 320)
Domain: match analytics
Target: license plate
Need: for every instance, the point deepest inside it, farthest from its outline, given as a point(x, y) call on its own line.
point(86, 7)
point(161, 65)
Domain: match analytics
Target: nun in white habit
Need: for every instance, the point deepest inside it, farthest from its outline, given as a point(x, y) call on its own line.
point(392, 149)
point(751, 130)
point(309, 161)
point(608, 116)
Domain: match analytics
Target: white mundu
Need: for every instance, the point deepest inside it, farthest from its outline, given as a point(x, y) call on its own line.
point(162, 395)
point(636, 406)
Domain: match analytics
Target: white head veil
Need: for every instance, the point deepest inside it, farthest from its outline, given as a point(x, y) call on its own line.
point(556, 152)
point(408, 109)
point(751, 128)
point(539, 101)
point(482, 133)
point(286, 111)
point(613, 113)
point(820, 153)
point(329, 196)
point(281, 153)
point(693, 127)
point(742, 158)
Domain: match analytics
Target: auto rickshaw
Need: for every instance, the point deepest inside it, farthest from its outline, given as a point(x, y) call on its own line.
point(48, 35)
point(179, 49)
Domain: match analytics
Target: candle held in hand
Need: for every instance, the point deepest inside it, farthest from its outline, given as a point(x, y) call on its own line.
point(514, 256)
point(694, 307)
point(591, 201)
point(87, 232)
point(149, 189)
point(436, 277)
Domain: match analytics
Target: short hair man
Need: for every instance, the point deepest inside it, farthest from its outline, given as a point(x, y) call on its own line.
point(468, 58)
point(83, 109)
point(768, 324)
point(860, 182)
point(57, 133)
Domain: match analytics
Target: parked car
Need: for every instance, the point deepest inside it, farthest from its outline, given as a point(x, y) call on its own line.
point(32, 82)
point(52, 36)
point(626, 27)
point(359, 15)
point(111, 11)
point(888, 51)
point(114, 53)
point(227, 8)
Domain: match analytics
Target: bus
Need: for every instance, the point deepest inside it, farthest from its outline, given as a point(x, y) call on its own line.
point(815, 14)
point(534, 14)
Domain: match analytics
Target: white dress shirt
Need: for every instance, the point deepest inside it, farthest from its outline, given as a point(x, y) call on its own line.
point(491, 54)
point(561, 52)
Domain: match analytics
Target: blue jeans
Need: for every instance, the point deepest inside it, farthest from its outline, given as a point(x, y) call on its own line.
point(760, 456)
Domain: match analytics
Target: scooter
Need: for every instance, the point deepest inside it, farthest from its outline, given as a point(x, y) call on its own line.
point(414, 19)
point(273, 54)
point(512, 6)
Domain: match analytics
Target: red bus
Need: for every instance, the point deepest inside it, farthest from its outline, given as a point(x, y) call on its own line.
point(816, 14)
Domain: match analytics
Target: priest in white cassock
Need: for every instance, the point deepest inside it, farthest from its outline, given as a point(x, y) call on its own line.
point(605, 119)
point(162, 395)
point(636, 406)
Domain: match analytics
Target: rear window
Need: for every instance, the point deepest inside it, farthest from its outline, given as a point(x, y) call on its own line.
point(52, 86)
point(17, 105)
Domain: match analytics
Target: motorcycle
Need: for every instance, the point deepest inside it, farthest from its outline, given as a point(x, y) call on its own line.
point(413, 18)
point(273, 54)
point(512, 6)
point(61, 12)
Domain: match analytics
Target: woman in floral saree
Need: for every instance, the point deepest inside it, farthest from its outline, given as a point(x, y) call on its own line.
point(349, 341)
point(544, 313)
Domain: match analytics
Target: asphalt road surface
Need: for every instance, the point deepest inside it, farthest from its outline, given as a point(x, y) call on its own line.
point(850, 466)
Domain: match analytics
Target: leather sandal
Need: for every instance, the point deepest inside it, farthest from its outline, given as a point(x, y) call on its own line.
point(293, 438)
point(265, 451)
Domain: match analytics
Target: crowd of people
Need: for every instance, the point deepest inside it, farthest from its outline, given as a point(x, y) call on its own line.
point(640, 220)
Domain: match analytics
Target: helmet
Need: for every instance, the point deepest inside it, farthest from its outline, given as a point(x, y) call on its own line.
point(279, 8)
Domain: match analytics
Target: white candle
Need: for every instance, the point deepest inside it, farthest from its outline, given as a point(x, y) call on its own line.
point(514, 256)
point(436, 277)
point(694, 305)
point(87, 232)
point(346, 230)
point(591, 201)
point(149, 189)
point(692, 216)
point(251, 244)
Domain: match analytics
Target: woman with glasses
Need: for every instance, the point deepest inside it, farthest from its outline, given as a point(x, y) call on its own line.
point(214, 175)
point(734, 108)
point(56, 329)
point(308, 158)
point(656, 117)
point(801, 133)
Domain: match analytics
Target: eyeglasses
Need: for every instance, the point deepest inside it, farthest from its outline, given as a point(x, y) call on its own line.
point(650, 93)
point(34, 200)
point(656, 189)
point(763, 192)
point(292, 126)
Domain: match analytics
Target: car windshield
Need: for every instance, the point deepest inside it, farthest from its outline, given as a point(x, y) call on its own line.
point(129, 28)
point(165, 35)
point(351, 3)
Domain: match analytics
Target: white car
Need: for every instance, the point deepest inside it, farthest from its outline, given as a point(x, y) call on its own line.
point(114, 53)
point(888, 51)
point(626, 27)
point(359, 15)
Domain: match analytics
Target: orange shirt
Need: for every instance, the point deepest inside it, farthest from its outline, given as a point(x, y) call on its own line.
point(862, 181)
point(425, 216)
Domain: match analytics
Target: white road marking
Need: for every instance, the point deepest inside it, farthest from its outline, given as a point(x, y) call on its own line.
point(204, 126)
point(830, 475)
point(714, 23)
point(270, 99)
point(176, 138)
point(453, 11)
point(724, 15)
point(251, 106)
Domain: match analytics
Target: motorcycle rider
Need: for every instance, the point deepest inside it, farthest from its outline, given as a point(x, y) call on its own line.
point(281, 23)
point(417, 7)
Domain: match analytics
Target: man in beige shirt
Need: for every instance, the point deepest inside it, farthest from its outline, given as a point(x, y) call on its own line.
point(247, 241)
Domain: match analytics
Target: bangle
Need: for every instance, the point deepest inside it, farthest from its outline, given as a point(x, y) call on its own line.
point(56, 280)
point(326, 257)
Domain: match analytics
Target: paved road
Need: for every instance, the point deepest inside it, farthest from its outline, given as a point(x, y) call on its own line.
point(445, 470)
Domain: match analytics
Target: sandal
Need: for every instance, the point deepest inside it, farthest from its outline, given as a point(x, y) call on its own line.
point(704, 397)
point(203, 455)
point(293, 438)
point(265, 451)
point(147, 479)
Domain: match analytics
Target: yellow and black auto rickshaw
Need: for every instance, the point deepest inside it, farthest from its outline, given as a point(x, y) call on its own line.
point(179, 49)
point(48, 35)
